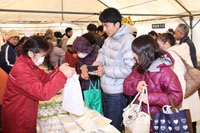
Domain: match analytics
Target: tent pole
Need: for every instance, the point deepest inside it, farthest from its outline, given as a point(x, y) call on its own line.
point(190, 17)
point(103, 3)
point(191, 21)
point(62, 10)
point(183, 7)
point(84, 13)
point(196, 24)
point(184, 21)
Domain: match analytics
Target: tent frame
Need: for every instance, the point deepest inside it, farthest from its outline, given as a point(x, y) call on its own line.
point(170, 16)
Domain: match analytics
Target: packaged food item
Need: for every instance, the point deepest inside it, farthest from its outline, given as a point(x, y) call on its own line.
point(91, 113)
point(101, 121)
point(74, 117)
point(48, 125)
point(72, 128)
point(65, 119)
point(86, 123)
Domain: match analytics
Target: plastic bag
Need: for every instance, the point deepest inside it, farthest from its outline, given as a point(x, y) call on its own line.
point(72, 96)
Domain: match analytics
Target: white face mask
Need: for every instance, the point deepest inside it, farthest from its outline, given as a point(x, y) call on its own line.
point(82, 55)
point(40, 61)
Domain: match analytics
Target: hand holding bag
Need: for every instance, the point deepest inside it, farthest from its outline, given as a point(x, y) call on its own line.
point(172, 121)
point(135, 120)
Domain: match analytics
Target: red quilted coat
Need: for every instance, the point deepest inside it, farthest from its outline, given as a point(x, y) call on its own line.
point(26, 85)
point(161, 80)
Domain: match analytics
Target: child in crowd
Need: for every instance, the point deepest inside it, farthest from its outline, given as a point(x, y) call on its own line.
point(71, 56)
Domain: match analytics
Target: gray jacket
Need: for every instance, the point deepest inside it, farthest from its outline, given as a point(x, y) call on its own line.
point(117, 59)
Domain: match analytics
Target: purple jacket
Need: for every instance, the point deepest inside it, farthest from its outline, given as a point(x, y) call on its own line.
point(161, 80)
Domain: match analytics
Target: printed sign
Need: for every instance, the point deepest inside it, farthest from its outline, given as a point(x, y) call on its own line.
point(158, 26)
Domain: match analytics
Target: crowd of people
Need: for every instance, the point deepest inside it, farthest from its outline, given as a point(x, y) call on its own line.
point(125, 64)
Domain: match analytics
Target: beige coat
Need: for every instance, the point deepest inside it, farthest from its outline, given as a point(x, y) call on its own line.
point(63, 43)
point(192, 102)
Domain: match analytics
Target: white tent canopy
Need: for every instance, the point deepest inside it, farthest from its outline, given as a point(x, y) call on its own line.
point(38, 15)
point(45, 11)
point(79, 11)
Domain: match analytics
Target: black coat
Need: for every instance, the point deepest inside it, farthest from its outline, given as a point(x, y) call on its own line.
point(8, 57)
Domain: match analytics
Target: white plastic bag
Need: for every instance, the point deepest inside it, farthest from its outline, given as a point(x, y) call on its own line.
point(72, 96)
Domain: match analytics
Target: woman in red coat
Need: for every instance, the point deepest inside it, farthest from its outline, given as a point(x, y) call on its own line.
point(152, 70)
point(27, 85)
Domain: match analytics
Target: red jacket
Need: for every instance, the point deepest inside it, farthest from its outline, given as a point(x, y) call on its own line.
point(161, 82)
point(72, 61)
point(26, 85)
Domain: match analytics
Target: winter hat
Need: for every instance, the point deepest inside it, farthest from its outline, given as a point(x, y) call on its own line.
point(81, 44)
point(12, 33)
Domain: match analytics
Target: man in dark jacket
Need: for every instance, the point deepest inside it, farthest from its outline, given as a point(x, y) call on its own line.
point(181, 33)
point(8, 52)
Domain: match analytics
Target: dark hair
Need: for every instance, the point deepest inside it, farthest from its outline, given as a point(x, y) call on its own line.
point(48, 37)
point(68, 29)
point(147, 50)
point(170, 30)
point(22, 40)
point(90, 37)
point(153, 33)
point(92, 27)
point(36, 44)
point(100, 28)
point(167, 37)
point(58, 34)
point(111, 15)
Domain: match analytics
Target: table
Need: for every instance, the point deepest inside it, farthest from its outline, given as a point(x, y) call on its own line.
point(52, 119)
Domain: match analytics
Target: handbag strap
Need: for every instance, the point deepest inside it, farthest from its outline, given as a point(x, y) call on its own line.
point(97, 84)
point(184, 62)
point(148, 108)
point(172, 103)
point(135, 97)
point(144, 88)
point(91, 84)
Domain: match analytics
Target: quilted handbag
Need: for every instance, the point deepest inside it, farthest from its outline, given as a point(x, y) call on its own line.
point(135, 120)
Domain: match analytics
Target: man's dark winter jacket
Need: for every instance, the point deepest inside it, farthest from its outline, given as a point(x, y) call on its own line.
point(8, 57)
